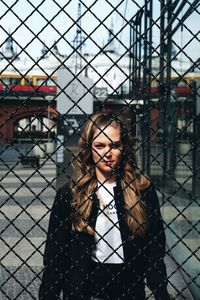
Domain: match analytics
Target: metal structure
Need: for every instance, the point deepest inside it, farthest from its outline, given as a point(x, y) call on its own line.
point(153, 82)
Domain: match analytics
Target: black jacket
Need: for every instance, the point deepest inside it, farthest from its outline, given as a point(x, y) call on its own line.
point(67, 254)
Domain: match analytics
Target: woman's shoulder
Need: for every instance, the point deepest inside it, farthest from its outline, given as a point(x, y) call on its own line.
point(64, 189)
point(63, 194)
point(148, 193)
point(147, 186)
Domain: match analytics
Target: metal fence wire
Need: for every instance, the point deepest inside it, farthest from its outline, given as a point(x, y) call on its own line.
point(61, 61)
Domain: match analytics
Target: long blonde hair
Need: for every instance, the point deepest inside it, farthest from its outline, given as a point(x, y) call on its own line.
point(84, 182)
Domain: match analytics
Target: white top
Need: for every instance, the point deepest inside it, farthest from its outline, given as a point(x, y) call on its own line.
point(107, 234)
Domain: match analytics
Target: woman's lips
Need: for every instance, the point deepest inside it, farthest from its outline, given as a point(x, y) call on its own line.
point(108, 162)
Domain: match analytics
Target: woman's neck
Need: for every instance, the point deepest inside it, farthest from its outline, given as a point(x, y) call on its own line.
point(105, 178)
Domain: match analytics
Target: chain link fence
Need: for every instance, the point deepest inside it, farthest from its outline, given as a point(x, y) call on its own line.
point(61, 61)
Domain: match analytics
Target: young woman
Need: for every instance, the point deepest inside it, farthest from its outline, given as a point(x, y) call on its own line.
point(105, 237)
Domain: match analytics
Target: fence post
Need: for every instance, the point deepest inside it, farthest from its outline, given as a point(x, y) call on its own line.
point(196, 143)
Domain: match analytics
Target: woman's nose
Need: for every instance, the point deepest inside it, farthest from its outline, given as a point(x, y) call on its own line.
point(108, 151)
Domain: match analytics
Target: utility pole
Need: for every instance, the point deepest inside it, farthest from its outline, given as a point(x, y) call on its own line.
point(78, 42)
point(141, 74)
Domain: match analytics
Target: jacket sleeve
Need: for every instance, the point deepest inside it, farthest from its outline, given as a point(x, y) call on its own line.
point(56, 254)
point(156, 269)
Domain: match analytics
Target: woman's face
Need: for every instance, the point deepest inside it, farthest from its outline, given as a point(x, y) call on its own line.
point(107, 152)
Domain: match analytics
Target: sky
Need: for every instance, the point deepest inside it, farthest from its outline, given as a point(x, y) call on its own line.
point(53, 21)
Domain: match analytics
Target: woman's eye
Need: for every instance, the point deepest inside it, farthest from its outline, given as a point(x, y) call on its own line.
point(99, 146)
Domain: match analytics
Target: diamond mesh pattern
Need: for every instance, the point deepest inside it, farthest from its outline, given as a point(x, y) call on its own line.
point(147, 71)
